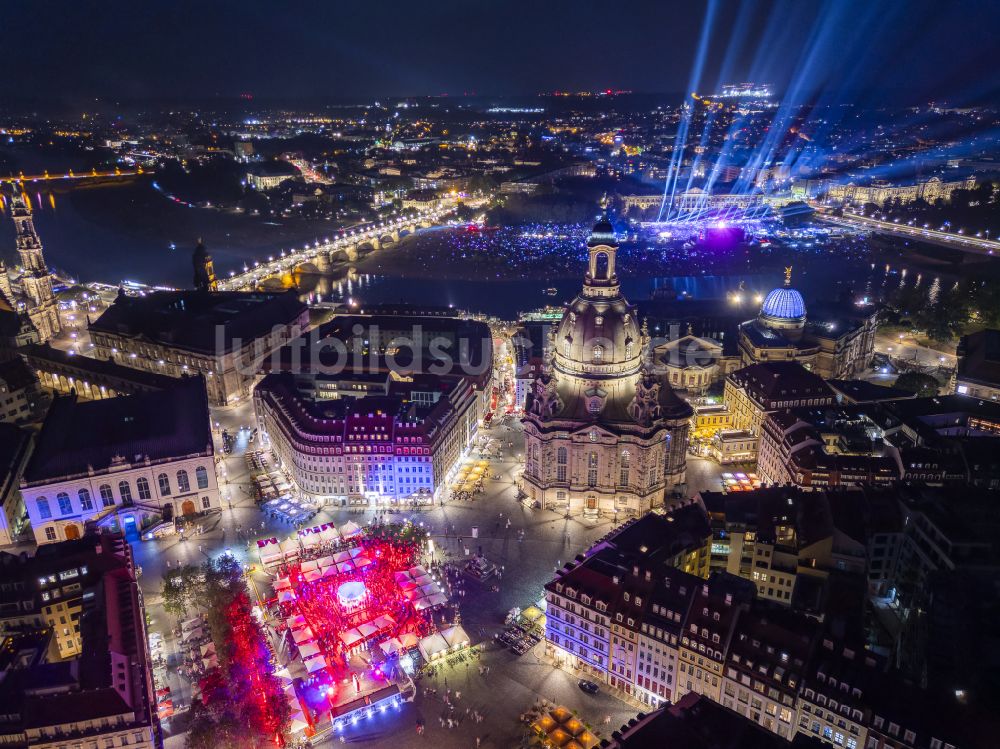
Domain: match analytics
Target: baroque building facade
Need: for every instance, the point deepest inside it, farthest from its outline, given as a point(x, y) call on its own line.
point(36, 281)
point(835, 343)
point(603, 434)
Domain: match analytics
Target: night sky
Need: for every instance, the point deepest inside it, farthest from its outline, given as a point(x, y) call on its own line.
point(918, 49)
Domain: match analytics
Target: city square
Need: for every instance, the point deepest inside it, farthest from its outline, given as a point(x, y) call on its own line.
point(499, 376)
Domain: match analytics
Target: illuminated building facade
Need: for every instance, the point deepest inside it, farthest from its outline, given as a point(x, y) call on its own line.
point(838, 344)
point(880, 191)
point(219, 335)
point(398, 447)
point(603, 434)
point(625, 615)
point(76, 671)
point(143, 456)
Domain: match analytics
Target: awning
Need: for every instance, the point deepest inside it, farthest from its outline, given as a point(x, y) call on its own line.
point(295, 622)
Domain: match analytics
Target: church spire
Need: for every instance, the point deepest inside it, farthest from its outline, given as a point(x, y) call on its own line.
point(204, 269)
point(602, 247)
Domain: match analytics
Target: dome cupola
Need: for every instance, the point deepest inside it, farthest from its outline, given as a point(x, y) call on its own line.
point(783, 307)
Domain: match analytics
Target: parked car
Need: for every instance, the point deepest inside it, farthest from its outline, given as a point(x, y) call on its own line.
point(588, 686)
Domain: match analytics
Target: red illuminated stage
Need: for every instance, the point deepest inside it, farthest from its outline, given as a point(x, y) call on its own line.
point(342, 610)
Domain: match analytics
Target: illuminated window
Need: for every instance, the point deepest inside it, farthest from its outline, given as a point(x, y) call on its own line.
point(65, 505)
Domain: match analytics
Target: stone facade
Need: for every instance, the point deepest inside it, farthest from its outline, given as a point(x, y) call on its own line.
point(603, 434)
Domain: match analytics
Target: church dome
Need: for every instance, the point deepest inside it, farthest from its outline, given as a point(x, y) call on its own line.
point(784, 303)
point(598, 337)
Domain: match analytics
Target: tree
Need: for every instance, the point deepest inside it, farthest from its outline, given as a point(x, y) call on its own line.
point(917, 382)
point(181, 589)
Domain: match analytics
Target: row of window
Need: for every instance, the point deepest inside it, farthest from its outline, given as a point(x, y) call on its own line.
point(65, 504)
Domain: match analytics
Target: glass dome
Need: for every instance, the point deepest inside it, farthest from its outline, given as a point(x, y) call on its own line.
point(784, 304)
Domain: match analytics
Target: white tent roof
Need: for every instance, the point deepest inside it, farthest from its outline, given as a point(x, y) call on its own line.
point(284, 596)
point(383, 622)
point(315, 664)
point(432, 646)
point(391, 646)
point(295, 622)
point(303, 635)
point(282, 583)
point(456, 637)
point(325, 561)
point(309, 650)
point(310, 565)
point(313, 576)
point(289, 544)
point(351, 637)
point(310, 540)
point(438, 599)
point(349, 529)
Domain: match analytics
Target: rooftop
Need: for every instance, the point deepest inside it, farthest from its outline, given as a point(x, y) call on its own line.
point(79, 437)
point(202, 322)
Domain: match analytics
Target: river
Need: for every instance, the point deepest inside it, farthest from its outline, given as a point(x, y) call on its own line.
point(132, 232)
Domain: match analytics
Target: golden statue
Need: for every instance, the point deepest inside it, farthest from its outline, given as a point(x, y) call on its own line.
point(788, 276)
